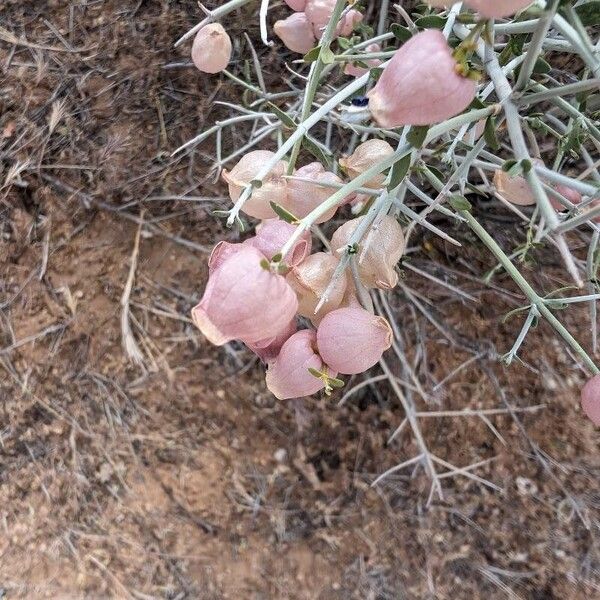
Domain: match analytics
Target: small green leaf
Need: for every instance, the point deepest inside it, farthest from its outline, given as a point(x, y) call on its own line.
point(312, 55)
point(402, 33)
point(283, 214)
point(431, 22)
point(344, 43)
point(315, 373)
point(335, 383)
point(476, 104)
point(317, 152)
point(526, 165)
point(489, 133)
point(265, 264)
point(589, 12)
point(375, 73)
point(282, 116)
point(417, 135)
point(541, 66)
point(256, 183)
point(459, 203)
point(507, 165)
point(327, 56)
point(399, 171)
point(277, 258)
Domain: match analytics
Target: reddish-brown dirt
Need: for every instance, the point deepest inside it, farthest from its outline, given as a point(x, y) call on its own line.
point(183, 477)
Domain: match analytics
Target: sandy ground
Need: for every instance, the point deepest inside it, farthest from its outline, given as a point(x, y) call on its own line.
point(181, 477)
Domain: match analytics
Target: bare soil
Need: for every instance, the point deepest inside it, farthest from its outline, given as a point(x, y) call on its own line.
point(182, 477)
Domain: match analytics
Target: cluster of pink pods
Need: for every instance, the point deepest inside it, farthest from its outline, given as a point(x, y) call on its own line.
point(250, 297)
point(301, 30)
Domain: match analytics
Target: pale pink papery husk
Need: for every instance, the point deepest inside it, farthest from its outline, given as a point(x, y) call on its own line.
point(244, 301)
point(211, 50)
point(318, 12)
point(296, 33)
point(297, 5)
point(310, 280)
point(273, 189)
point(288, 375)
point(573, 196)
point(349, 21)
point(420, 85)
point(365, 156)
point(376, 261)
point(514, 189)
point(352, 340)
point(494, 9)
point(268, 350)
point(303, 197)
point(590, 399)
point(220, 253)
point(272, 234)
point(356, 71)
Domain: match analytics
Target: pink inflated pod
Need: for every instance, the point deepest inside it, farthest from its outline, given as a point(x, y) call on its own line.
point(304, 196)
point(297, 5)
point(273, 188)
point(244, 301)
point(272, 234)
point(352, 340)
point(573, 196)
point(590, 399)
point(220, 253)
point(494, 9)
point(288, 375)
point(515, 189)
point(211, 50)
point(268, 349)
point(377, 257)
point(356, 71)
point(310, 280)
point(365, 156)
point(319, 13)
point(349, 21)
point(421, 84)
point(296, 33)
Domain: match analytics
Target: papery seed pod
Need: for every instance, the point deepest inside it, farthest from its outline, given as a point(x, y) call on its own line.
point(352, 340)
point(365, 156)
point(296, 33)
point(573, 196)
point(356, 71)
point(211, 50)
point(494, 9)
point(349, 21)
point(272, 234)
point(515, 189)
point(288, 375)
point(377, 257)
point(268, 349)
point(310, 280)
point(319, 13)
point(244, 301)
point(590, 399)
point(273, 188)
point(303, 196)
point(421, 84)
point(297, 5)
point(220, 253)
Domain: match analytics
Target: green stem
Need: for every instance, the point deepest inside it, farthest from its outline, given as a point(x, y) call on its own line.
point(315, 75)
point(531, 294)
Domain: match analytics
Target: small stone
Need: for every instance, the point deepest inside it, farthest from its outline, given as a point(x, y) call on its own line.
point(280, 455)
